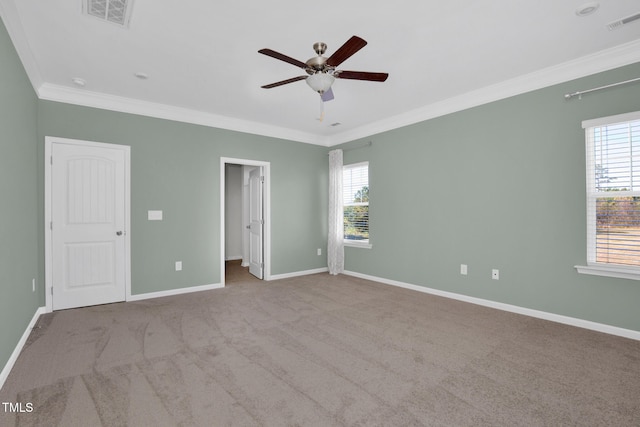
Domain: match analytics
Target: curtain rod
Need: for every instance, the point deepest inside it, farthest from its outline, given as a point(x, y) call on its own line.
point(580, 93)
point(357, 147)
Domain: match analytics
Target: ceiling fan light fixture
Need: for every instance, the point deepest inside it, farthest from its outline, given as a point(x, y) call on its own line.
point(320, 82)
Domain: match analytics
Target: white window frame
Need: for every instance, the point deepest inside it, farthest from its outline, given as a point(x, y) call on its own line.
point(592, 267)
point(358, 243)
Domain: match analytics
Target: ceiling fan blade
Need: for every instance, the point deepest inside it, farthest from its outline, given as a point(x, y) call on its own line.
point(361, 75)
point(283, 82)
point(282, 57)
point(345, 51)
point(327, 95)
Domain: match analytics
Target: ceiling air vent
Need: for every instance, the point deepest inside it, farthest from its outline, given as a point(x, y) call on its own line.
point(115, 11)
point(624, 21)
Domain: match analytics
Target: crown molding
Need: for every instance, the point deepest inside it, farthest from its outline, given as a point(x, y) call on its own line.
point(68, 95)
point(604, 60)
point(619, 56)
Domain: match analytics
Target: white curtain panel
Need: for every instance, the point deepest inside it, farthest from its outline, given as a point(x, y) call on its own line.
point(335, 250)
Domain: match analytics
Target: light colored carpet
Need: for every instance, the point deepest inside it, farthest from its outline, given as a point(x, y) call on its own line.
point(318, 350)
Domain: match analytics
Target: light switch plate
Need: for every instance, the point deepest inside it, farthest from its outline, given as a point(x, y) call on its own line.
point(154, 215)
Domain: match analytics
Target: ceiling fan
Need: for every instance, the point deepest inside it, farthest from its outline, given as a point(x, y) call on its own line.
point(322, 71)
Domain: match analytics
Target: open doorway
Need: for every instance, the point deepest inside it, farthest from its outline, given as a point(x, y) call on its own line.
point(244, 225)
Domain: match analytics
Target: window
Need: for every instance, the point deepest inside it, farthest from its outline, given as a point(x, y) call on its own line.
point(355, 193)
point(613, 194)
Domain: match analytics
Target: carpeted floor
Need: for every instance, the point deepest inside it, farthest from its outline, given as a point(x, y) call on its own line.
point(318, 350)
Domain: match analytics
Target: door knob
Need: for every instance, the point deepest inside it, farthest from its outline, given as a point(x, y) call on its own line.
point(118, 233)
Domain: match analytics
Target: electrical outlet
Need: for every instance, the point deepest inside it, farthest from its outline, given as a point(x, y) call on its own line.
point(463, 269)
point(319, 251)
point(178, 265)
point(495, 274)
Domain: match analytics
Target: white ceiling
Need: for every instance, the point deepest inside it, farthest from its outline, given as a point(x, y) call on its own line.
point(204, 67)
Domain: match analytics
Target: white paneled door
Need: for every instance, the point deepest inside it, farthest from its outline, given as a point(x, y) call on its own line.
point(87, 225)
point(256, 223)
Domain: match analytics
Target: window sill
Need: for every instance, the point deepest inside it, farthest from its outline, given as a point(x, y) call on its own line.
point(619, 272)
point(356, 244)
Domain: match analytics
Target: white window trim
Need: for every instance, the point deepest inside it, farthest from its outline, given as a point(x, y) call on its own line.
point(611, 120)
point(358, 244)
point(606, 270)
point(363, 244)
point(594, 268)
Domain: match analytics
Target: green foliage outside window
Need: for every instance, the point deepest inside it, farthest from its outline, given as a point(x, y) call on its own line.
point(356, 216)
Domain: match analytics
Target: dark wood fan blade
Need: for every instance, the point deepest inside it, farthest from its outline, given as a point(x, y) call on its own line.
point(361, 75)
point(284, 82)
point(282, 57)
point(352, 45)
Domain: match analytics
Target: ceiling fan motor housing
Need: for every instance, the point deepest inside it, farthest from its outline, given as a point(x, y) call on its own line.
point(317, 64)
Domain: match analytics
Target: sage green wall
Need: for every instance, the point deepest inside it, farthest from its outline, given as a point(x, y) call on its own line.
point(175, 167)
point(497, 186)
point(18, 192)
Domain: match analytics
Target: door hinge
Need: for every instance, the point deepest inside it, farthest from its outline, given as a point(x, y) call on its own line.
point(51, 290)
point(262, 265)
point(51, 225)
point(51, 160)
point(262, 179)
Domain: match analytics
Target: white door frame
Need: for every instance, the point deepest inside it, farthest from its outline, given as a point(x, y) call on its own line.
point(266, 237)
point(256, 221)
point(48, 250)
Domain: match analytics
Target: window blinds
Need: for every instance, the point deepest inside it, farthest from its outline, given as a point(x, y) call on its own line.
point(613, 193)
point(355, 193)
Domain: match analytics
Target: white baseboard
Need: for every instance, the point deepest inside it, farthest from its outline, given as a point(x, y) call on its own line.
point(581, 323)
point(171, 292)
point(16, 352)
point(233, 258)
point(297, 273)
